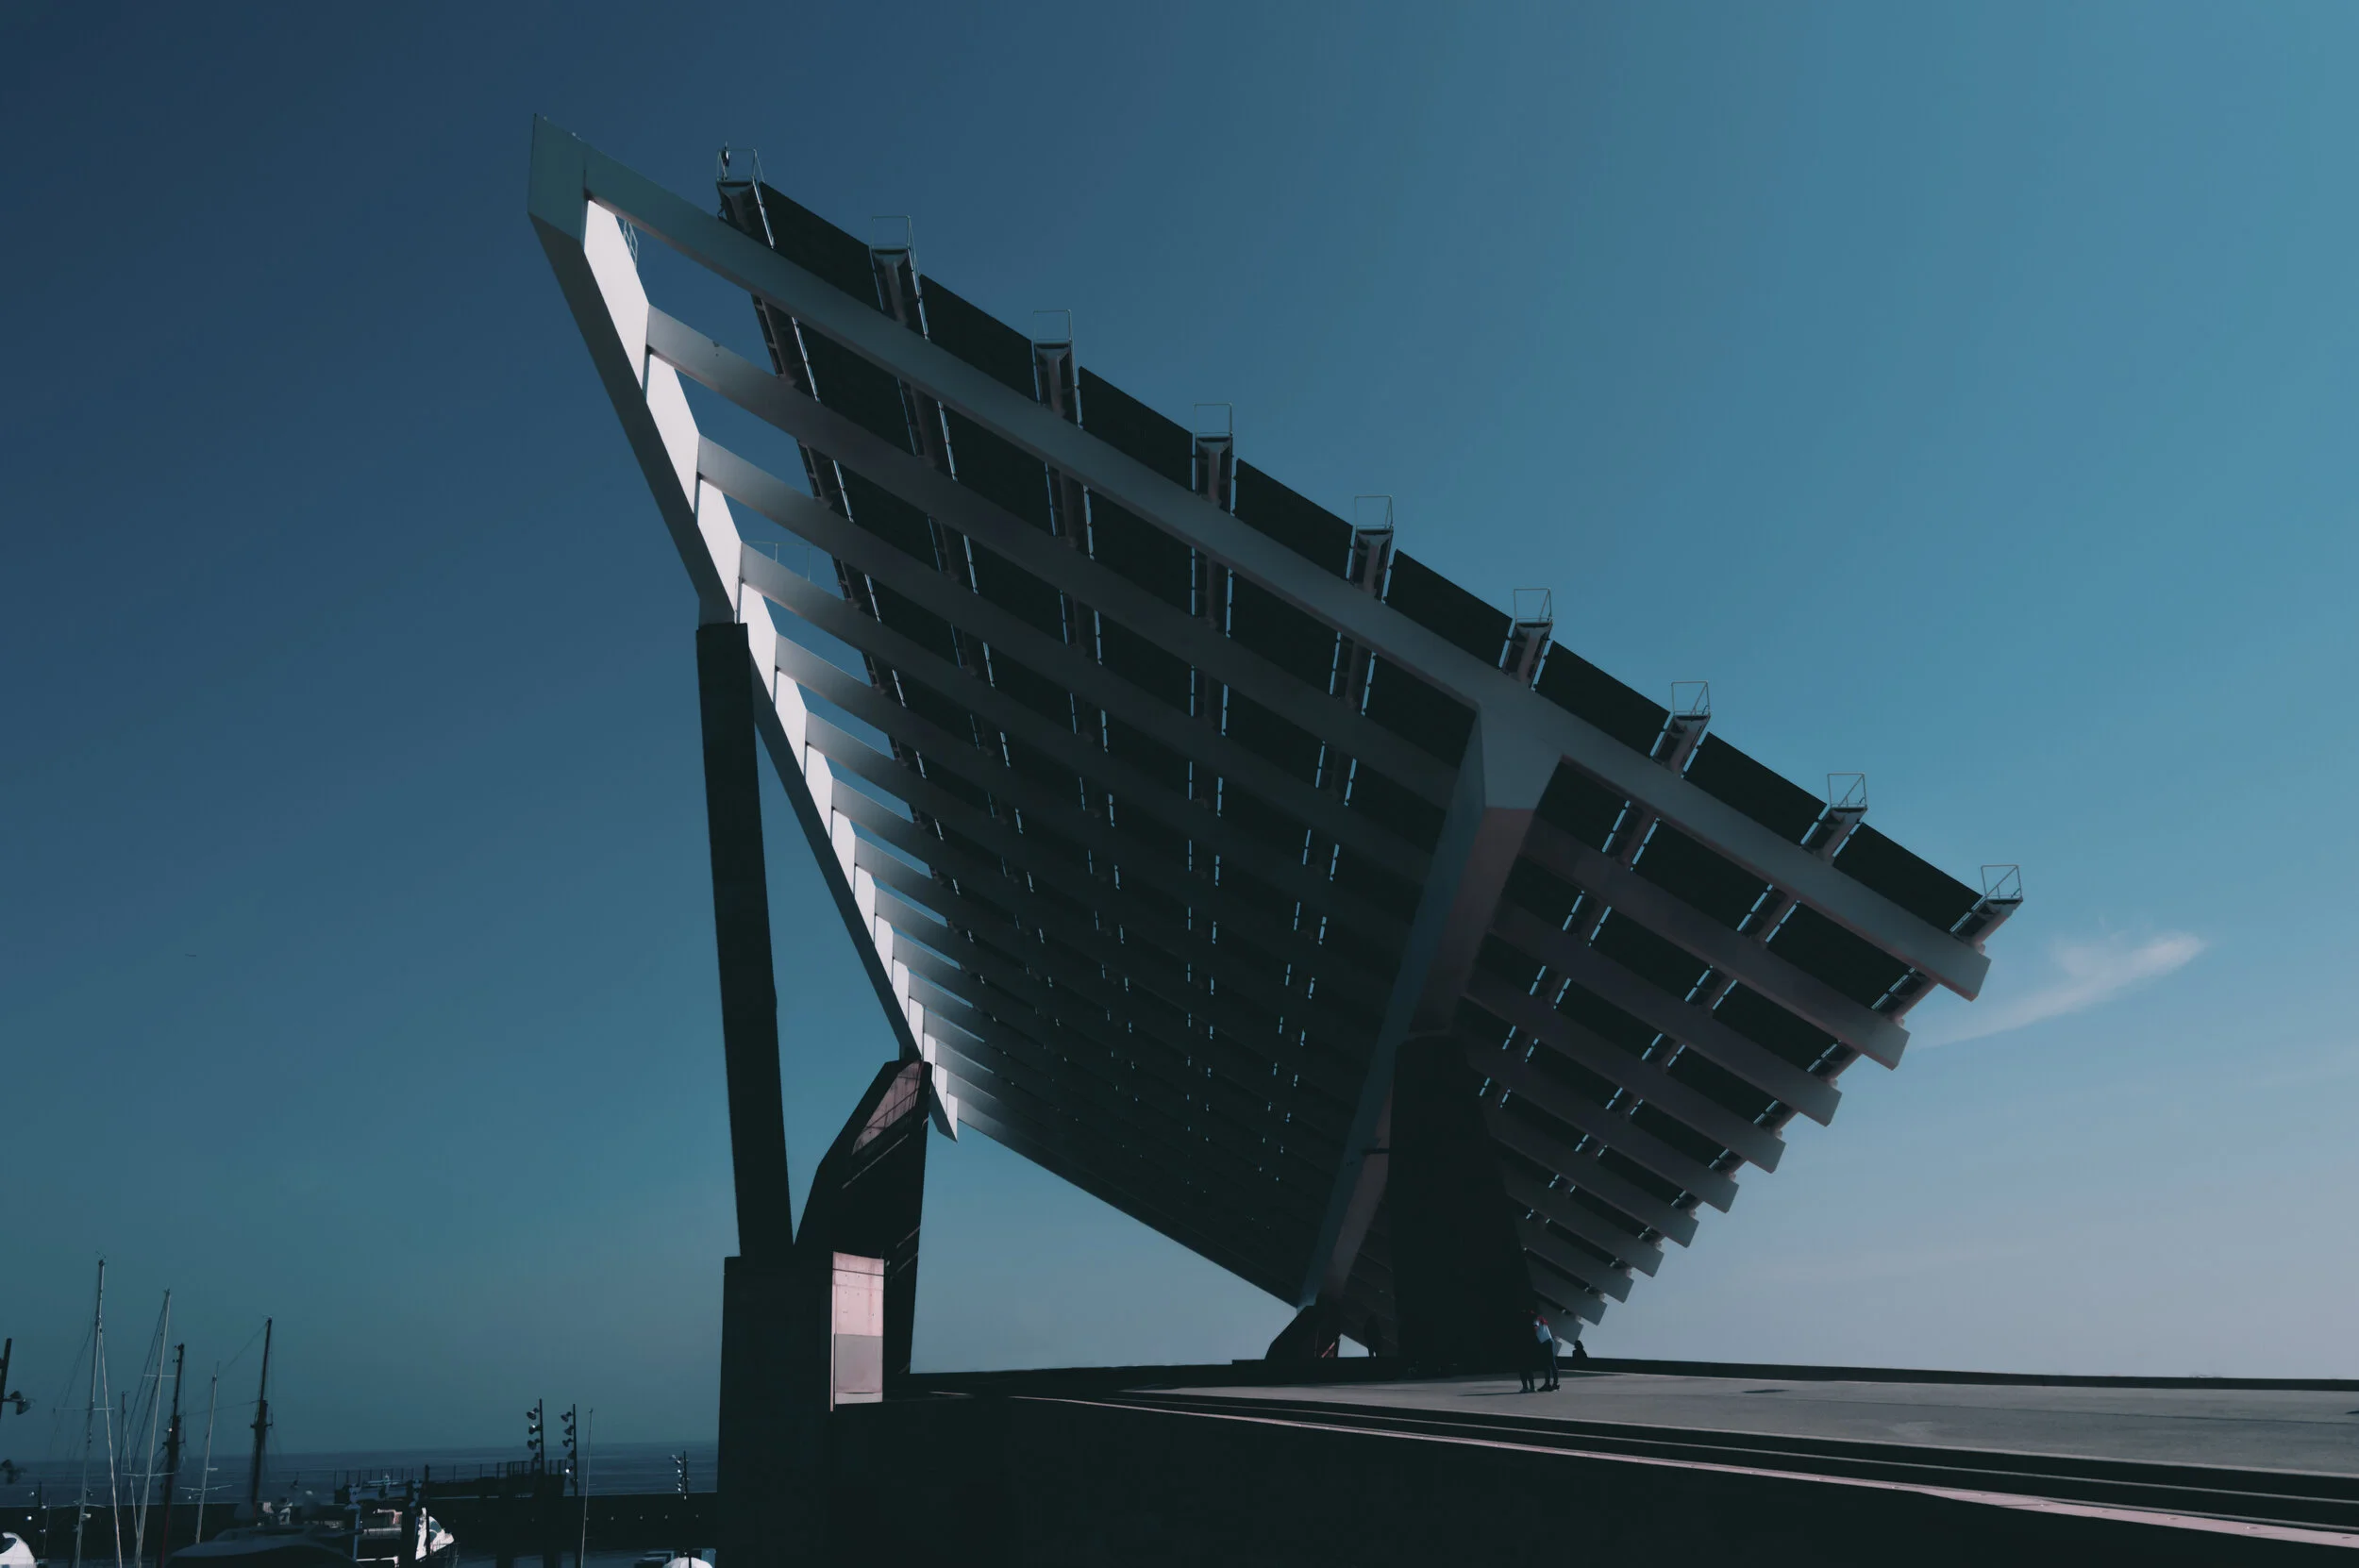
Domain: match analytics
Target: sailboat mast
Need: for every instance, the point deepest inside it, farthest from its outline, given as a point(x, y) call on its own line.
point(115, 1494)
point(90, 1411)
point(581, 1554)
point(171, 1456)
point(205, 1480)
point(153, 1401)
point(261, 1430)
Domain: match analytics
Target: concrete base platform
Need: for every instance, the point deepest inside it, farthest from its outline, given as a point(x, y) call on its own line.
point(1354, 1461)
point(2313, 1431)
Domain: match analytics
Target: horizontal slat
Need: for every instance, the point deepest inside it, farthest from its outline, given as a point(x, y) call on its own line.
point(1615, 1132)
point(1179, 1105)
point(1563, 1294)
point(1160, 972)
point(1252, 1079)
point(1583, 1170)
point(830, 682)
point(1659, 1010)
point(1253, 1177)
point(1569, 1260)
point(1319, 1113)
point(1618, 1067)
point(1059, 661)
point(776, 401)
point(1559, 1205)
point(1681, 923)
point(1250, 1125)
point(1241, 1065)
point(1235, 916)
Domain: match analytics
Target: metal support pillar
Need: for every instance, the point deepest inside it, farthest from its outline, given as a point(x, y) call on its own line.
point(760, 1310)
point(1312, 1336)
point(1499, 785)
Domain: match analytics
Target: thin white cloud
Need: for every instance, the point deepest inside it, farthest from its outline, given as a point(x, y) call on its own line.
point(2088, 973)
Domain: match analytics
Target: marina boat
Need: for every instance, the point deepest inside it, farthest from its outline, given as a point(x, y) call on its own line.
point(390, 1527)
point(379, 1522)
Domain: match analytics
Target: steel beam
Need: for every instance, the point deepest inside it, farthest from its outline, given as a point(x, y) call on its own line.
point(1042, 433)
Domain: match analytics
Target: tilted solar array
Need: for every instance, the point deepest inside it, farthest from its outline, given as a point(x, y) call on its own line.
point(1168, 808)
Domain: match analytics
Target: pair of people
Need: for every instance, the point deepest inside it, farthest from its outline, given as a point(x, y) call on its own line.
point(1540, 1368)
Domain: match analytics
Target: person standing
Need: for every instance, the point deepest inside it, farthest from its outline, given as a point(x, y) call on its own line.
point(1544, 1350)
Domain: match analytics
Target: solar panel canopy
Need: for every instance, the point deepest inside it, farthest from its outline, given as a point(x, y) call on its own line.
point(1214, 852)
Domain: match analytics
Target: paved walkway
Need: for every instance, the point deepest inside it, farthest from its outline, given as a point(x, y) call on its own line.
point(2239, 1429)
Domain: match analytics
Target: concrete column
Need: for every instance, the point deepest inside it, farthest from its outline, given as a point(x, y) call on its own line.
point(773, 1414)
point(740, 928)
point(1459, 1282)
point(761, 1426)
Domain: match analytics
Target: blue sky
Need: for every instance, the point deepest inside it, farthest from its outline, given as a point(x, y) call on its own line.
point(1964, 391)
